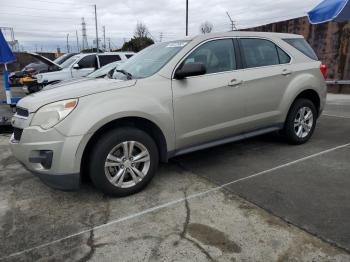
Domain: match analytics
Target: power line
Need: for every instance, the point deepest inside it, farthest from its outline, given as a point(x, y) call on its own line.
point(46, 17)
point(35, 8)
point(56, 3)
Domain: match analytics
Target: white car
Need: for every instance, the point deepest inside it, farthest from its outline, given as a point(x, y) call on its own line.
point(80, 65)
point(108, 69)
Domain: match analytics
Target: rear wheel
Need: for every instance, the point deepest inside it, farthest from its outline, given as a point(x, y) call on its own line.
point(301, 121)
point(123, 161)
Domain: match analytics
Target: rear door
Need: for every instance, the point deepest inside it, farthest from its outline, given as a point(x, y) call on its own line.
point(87, 65)
point(208, 107)
point(266, 75)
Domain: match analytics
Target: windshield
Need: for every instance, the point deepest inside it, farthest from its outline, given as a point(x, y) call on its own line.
point(69, 62)
point(63, 58)
point(103, 70)
point(150, 60)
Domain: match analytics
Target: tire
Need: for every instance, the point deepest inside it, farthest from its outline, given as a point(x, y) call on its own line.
point(107, 168)
point(294, 123)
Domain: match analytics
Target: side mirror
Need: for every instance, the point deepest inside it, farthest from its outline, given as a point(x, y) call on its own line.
point(192, 69)
point(76, 66)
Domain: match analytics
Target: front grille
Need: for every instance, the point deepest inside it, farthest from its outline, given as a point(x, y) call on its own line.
point(22, 112)
point(17, 133)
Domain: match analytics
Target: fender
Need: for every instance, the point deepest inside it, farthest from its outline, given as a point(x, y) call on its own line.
point(121, 103)
point(300, 83)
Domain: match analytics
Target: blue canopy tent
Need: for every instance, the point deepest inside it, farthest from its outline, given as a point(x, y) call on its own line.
point(6, 56)
point(330, 10)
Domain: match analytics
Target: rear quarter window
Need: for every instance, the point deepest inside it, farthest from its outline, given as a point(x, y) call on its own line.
point(283, 57)
point(303, 46)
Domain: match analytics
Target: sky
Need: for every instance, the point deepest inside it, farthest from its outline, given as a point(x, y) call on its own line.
point(44, 24)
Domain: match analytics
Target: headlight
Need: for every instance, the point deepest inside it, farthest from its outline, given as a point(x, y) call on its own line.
point(39, 77)
point(51, 114)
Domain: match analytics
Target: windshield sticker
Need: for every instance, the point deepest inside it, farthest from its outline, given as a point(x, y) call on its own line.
point(176, 44)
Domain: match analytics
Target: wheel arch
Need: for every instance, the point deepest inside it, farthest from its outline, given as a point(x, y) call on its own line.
point(144, 124)
point(311, 95)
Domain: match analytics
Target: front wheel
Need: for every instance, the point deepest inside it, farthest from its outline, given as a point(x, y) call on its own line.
point(301, 121)
point(123, 161)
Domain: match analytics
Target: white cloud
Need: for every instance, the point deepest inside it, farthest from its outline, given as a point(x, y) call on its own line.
point(46, 23)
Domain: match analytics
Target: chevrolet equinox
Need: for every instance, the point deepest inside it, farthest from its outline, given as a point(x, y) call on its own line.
point(172, 98)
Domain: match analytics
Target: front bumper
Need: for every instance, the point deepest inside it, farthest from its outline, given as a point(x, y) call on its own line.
point(50, 155)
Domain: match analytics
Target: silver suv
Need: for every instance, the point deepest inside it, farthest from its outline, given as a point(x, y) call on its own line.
point(170, 99)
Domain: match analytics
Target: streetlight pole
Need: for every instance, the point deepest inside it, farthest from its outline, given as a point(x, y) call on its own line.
point(67, 44)
point(186, 17)
point(78, 47)
point(104, 38)
point(96, 29)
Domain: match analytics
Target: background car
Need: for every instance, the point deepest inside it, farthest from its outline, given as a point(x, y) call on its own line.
point(81, 65)
point(108, 69)
point(42, 65)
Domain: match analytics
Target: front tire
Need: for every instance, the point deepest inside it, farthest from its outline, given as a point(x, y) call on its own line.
point(123, 161)
point(301, 121)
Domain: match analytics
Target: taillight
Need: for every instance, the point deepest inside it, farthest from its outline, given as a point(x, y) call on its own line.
point(323, 69)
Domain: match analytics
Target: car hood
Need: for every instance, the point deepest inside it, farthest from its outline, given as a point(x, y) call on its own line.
point(44, 59)
point(70, 90)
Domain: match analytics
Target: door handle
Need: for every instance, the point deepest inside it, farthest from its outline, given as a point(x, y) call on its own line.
point(286, 72)
point(235, 83)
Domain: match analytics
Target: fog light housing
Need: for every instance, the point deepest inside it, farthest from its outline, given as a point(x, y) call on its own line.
point(44, 157)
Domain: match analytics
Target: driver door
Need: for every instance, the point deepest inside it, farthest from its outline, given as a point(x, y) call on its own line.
point(87, 65)
point(209, 107)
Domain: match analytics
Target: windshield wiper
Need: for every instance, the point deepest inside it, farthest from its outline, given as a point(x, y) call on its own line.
point(128, 75)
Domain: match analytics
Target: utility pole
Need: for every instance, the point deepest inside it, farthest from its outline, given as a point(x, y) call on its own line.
point(84, 35)
point(104, 38)
point(67, 44)
point(233, 25)
point(109, 44)
point(186, 17)
point(96, 30)
point(78, 47)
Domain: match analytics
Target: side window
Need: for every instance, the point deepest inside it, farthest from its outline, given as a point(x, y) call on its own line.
point(284, 58)
point(259, 52)
point(106, 59)
point(128, 56)
point(217, 56)
point(88, 62)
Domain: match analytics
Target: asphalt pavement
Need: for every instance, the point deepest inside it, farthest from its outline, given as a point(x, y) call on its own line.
point(255, 200)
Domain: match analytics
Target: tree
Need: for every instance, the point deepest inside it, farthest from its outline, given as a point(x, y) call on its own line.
point(140, 39)
point(91, 50)
point(206, 27)
point(136, 44)
point(141, 30)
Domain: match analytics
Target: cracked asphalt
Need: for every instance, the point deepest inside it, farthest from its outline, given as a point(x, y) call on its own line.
point(255, 200)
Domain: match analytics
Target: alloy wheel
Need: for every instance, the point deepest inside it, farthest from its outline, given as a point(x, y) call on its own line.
point(127, 164)
point(303, 122)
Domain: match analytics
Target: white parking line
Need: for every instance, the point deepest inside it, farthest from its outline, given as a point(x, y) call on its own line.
point(331, 115)
point(171, 203)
